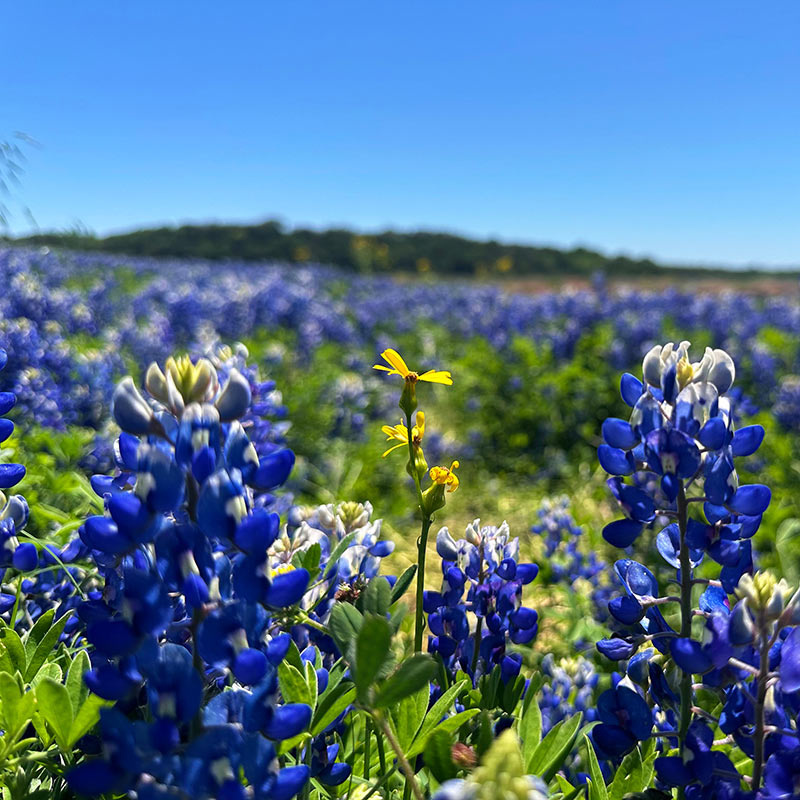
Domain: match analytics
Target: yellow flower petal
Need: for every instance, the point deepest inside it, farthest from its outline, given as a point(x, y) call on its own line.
point(437, 376)
point(393, 358)
point(402, 444)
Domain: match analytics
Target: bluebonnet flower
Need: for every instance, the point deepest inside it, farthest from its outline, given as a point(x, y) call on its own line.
point(682, 432)
point(189, 591)
point(344, 528)
point(482, 577)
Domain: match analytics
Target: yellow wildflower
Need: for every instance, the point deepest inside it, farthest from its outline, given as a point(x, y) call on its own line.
point(446, 477)
point(399, 433)
point(399, 367)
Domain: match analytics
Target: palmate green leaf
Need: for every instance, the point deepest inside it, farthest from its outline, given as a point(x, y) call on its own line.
point(52, 700)
point(549, 756)
point(412, 675)
point(373, 650)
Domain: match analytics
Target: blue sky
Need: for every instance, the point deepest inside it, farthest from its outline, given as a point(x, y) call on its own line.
point(668, 129)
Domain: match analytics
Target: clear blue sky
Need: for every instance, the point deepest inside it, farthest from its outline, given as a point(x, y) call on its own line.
point(670, 129)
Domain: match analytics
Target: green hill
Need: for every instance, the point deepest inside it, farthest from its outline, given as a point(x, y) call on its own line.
point(390, 251)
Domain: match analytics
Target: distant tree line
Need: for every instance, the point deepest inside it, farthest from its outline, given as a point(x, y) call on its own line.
point(390, 251)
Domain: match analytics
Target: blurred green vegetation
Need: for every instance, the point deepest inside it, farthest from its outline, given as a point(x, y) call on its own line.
point(420, 252)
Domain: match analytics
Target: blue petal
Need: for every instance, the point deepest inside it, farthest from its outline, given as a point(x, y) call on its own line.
point(287, 589)
point(273, 470)
point(751, 500)
point(631, 388)
point(618, 433)
point(288, 721)
point(622, 532)
point(689, 656)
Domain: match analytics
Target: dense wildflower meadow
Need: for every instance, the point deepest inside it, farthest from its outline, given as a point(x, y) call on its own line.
point(274, 531)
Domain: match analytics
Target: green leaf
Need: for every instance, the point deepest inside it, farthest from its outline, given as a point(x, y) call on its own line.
point(293, 684)
point(345, 622)
point(412, 675)
point(312, 683)
point(554, 748)
point(45, 647)
point(408, 716)
point(48, 670)
point(56, 708)
point(76, 688)
point(511, 694)
point(37, 632)
point(403, 582)
point(629, 776)
point(338, 551)
point(449, 725)
point(598, 790)
point(373, 650)
point(378, 597)
point(14, 651)
point(529, 725)
point(434, 716)
point(787, 545)
point(16, 706)
point(331, 705)
point(87, 717)
point(438, 756)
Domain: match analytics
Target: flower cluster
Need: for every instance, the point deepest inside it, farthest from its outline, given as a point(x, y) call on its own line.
point(567, 560)
point(14, 555)
point(350, 555)
point(680, 443)
point(482, 582)
point(189, 595)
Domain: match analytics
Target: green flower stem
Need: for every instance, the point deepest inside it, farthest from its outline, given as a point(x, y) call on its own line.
point(422, 542)
point(405, 767)
point(759, 732)
point(422, 547)
point(686, 614)
point(367, 747)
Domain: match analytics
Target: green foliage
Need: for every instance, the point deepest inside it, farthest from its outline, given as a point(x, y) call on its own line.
point(41, 692)
point(421, 252)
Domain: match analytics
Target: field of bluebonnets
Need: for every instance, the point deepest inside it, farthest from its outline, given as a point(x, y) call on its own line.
point(537, 552)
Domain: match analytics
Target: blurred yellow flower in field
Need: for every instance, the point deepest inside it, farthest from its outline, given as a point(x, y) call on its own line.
point(398, 367)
